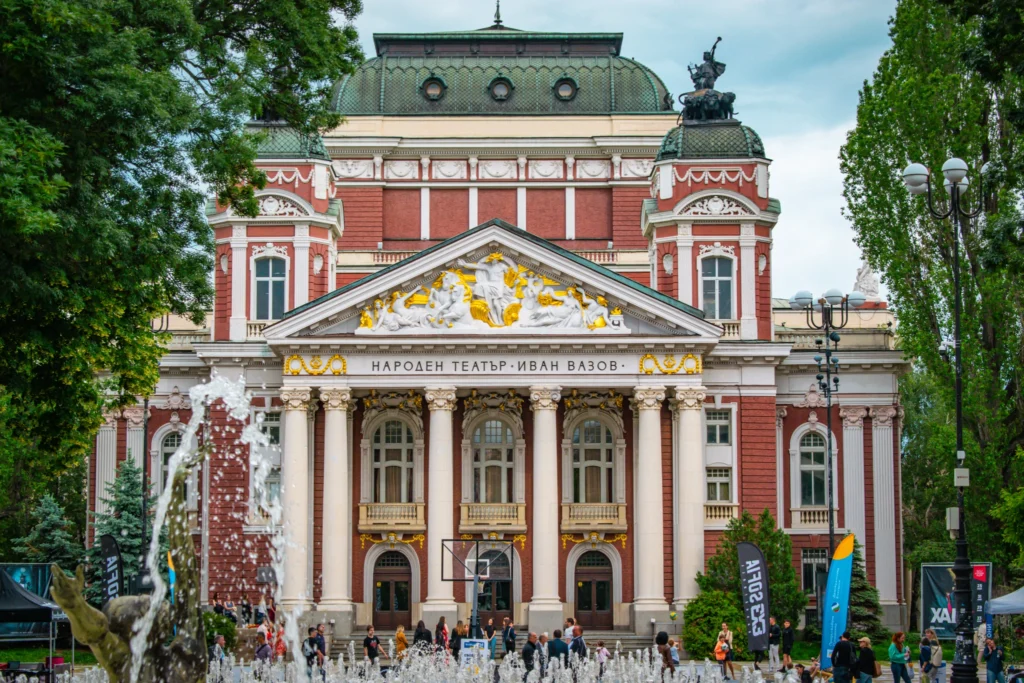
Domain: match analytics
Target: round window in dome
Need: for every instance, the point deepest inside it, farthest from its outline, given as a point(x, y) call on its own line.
point(501, 88)
point(433, 88)
point(565, 89)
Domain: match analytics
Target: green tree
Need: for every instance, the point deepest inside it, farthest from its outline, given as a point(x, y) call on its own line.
point(702, 620)
point(117, 120)
point(51, 538)
point(924, 103)
point(788, 600)
point(864, 617)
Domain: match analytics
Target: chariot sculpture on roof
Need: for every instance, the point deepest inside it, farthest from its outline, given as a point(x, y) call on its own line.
point(705, 103)
point(704, 75)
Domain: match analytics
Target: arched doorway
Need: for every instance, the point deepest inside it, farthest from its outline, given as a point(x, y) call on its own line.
point(495, 598)
point(392, 600)
point(594, 591)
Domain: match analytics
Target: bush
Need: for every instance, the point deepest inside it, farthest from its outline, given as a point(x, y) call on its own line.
point(702, 620)
point(217, 624)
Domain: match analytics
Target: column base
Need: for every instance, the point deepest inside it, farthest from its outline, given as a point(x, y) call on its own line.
point(545, 616)
point(341, 614)
point(433, 611)
point(646, 612)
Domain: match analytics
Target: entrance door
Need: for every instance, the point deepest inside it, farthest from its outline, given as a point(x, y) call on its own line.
point(495, 598)
point(594, 591)
point(392, 578)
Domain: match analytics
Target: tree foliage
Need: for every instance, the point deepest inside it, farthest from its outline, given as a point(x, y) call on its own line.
point(788, 600)
point(924, 103)
point(702, 620)
point(220, 625)
point(864, 616)
point(116, 121)
point(51, 539)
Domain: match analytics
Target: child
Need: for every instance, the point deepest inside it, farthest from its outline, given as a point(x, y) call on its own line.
point(602, 656)
point(924, 658)
point(721, 651)
point(673, 651)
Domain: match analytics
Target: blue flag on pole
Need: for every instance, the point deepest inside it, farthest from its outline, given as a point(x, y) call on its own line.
point(836, 599)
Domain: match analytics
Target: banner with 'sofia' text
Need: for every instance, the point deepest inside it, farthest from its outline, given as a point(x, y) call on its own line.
point(756, 597)
point(837, 599)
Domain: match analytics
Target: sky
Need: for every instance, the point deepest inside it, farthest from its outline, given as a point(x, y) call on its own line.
point(796, 67)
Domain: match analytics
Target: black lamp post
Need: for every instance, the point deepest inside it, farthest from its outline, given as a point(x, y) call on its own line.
point(918, 182)
point(833, 313)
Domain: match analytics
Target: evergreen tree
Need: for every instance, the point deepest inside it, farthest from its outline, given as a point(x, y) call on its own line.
point(863, 618)
point(788, 600)
point(50, 539)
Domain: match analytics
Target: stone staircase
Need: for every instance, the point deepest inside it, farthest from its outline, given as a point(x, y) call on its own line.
point(627, 641)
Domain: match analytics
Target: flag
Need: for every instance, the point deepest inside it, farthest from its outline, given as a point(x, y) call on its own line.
point(836, 599)
point(756, 598)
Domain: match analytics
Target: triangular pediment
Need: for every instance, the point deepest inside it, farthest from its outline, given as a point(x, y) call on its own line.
point(495, 279)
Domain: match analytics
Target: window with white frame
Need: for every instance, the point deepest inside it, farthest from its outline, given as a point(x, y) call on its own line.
point(815, 568)
point(270, 425)
point(719, 484)
point(393, 467)
point(271, 276)
point(812, 469)
point(719, 427)
point(493, 463)
point(593, 463)
point(716, 287)
point(168, 447)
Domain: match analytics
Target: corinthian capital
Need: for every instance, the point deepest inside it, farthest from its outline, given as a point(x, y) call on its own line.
point(336, 398)
point(296, 398)
point(440, 398)
point(545, 398)
point(649, 398)
point(690, 398)
point(853, 417)
point(883, 415)
point(134, 415)
point(780, 415)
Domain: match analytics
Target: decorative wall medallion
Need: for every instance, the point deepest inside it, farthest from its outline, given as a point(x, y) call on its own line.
point(716, 249)
point(497, 169)
point(296, 365)
point(636, 168)
point(492, 293)
point(318, 263)
point(715, 206)
point(224, 263)
point(271, 205)
point(449, 169)
point(270, 249)
point(176, 401)
point(593, 168)
point(812, 399)
point(354, 168)
point(546, 169)
point(401, 169)
point(689, 364)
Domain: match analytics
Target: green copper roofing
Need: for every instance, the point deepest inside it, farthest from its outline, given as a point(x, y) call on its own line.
point(606, 85)
point(520, 234)
point(774, 205)
point(280, 141)
point(491, 34)
point(711, 141)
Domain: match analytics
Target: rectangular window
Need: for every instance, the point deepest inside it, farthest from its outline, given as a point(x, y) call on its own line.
point(719, 424)
point(719, 485)
point(272, 427)
point(815, 568)
point(716, 285)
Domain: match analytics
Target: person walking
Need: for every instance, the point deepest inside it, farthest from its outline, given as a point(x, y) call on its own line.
point(422, 638)
point(774, 639)
point(558, 649)
point(924, 659)
point(311, 651)
point(867, 665)
point(371, 646)
point(508, 636)
point(788, 638)
point(321, 641)
point(898, 658)
point(401, 643)
point(603, 655)
point(844, 659)
point(994, 658)
point(721, 649)
point(529, 654)
point(728, 653)
point(665, 652)
point(456, 639)
point(578, 646)
point(933, 639)
point(263, 651)
point(441, 635)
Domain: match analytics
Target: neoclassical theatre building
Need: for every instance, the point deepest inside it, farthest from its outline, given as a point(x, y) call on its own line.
point(517, 296)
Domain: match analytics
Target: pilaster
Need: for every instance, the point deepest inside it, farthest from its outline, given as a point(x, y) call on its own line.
point(748, 320)
point(853, 471)
point(885, 502)
point(239, 280)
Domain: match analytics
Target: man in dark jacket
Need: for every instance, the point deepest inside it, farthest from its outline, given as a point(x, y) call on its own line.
point(844, 660)
point(774, 636)
point(788, 637)
point(530, 654)
point(578, 646)
point(558, 649)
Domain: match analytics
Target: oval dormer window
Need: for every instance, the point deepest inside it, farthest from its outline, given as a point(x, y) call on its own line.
point(566, 89)
point(501, 88)
point(433, 88)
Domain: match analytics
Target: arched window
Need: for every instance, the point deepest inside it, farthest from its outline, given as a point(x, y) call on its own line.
point(168, 446)
point(716, 288)
point(593, 463)
point(271, 275)
point(493, 463)
point(812, 469)
point(392, 453)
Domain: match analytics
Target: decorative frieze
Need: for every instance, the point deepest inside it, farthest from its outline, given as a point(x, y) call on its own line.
point(176, 401)
point(545, 169)
point(401, 169)
point(497, 169)
point(270, 249)
point(812, 399)
point(716, 249)
point(509, 403)
point(715, 206)
point(688, 364)
point(449, 169)
point(350, 169)
point(593, 169)
point(272, 205)
point(636, 168)
point(883, 415)
point(135, 416)
point(853, 417)
point(780, 416)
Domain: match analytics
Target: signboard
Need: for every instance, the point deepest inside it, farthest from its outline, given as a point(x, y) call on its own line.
point(113, 570)
point(756, 599)
point(474, 651)
point(938, 611)
point(837, 599)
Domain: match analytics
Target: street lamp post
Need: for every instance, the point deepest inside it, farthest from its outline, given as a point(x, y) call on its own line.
point(918, 182)
point(833, 309)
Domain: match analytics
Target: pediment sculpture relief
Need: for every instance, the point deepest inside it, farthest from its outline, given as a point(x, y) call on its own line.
point(494, 292)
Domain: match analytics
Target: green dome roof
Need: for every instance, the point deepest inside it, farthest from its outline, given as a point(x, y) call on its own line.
point(603, 85)
point(717, 140)
point(281, 141)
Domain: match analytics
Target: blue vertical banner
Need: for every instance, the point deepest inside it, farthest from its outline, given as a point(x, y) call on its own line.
point(837, 599)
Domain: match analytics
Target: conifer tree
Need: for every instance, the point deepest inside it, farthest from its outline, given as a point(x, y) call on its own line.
point(863, 618)
point(50, 539)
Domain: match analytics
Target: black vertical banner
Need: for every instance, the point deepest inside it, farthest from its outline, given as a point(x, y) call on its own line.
point(756, 598)
point(113, 571)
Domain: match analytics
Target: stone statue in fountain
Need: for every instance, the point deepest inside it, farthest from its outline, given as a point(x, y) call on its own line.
point(172, 656)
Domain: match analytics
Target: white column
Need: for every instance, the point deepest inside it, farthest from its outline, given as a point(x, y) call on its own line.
point(885, 502)
point(689, 517)
point(301, 244)
point(106, 460)
point(337, 544)
point(780, 463)
point(853, 471)
point(440, 508)
point(648, 512)
point(684, 254)
point(570, 213)
point(748, 321)
point(546, 606)
point(295, 589)
point(239, 275)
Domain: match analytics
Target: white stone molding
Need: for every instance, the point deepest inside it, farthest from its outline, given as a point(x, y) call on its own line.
point(424, 212)
point(716, 249)
point(812, 425)
point(714, 176)
point(156, 465)
point(763, 175)
point(136, 443)
point(301, 246)
point(593, 169)
point(270, 249)
point(690, 474)
point(608, 550)
point(780, 465)
point(318, 263)
point(521, 207)
point(296, 398)
point(684, 252)
point(883, 478)
point(378, 164)
point(606, 408)
point(176, 401)
point(401, 169)
point(224, 263)
point(570, 162)
point(636, 168)
point(440, 398)
point(544, 398)
point(617, 167)
point(812, 399)
point(405, 407)
point(448, 169)
point(570, 213)
point(497, 169)
point(521, 163)
point(425, 165)
point(370, 562)
point(748, 319)
point(853, 471)
point(350, 169)
point(276, 205)
point(473, 161)
point(546, 169)
point(715, 206)
point(237, 323)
